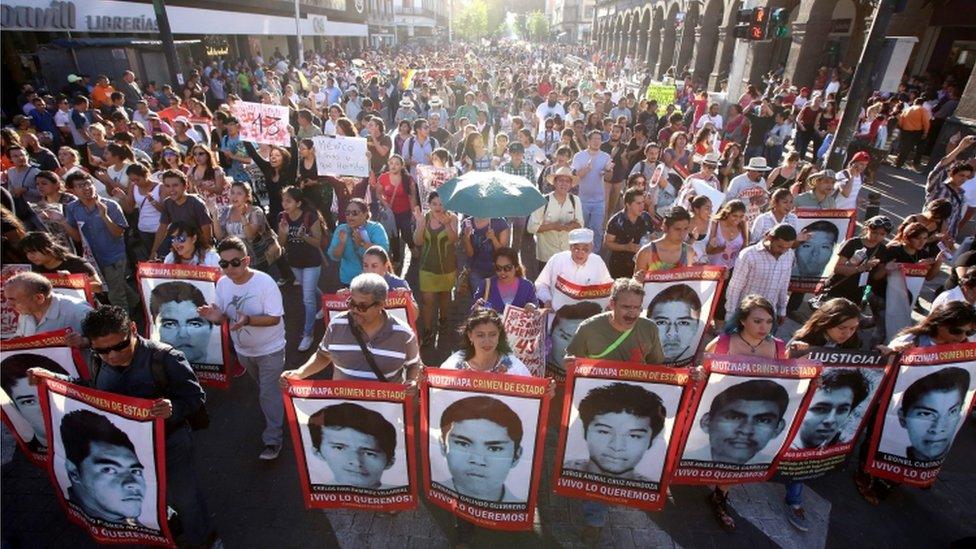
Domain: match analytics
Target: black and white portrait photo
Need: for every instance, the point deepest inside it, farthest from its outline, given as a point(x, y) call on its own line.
point(19, 400)
point(360, 444)
point(175, 320)
point(681, 310)
point(620, 429)
point(927, 410)
point(743, 421)
point(481, 445)
point(838, 407)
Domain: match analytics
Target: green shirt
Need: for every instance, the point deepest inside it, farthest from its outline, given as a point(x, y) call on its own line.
point(809, 200)
point(596, 334)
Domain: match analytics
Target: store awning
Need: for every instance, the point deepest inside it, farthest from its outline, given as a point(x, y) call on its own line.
point(114, 42)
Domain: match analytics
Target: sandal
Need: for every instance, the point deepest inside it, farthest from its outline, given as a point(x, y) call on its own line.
point(719, 503)
point(865, 486)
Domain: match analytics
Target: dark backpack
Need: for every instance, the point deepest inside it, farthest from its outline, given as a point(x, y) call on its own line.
point(430, 139)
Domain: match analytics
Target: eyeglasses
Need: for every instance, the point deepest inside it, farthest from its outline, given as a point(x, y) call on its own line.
point(114, 348)
point(179, 239)
point(505, 268)
point(236, 262)
point(361, 307)
point(956, 331)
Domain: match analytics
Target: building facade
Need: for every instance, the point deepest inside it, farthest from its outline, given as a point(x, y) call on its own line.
point(696, 37)
point(419, 19)
point(572, 20)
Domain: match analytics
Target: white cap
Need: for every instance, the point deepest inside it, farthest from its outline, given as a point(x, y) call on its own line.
point(580, 236)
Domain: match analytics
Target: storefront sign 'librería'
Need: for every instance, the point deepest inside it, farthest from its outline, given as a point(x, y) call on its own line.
point(64, 16)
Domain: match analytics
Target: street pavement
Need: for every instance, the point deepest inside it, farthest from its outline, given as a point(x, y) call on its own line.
point(256, 504)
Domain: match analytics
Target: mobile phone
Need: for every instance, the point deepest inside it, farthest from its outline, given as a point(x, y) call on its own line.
point(945, 250)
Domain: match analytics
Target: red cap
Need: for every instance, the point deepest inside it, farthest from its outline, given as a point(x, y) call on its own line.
point(861, 156)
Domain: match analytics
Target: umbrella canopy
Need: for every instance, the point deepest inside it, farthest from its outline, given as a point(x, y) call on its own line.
point(491, 194)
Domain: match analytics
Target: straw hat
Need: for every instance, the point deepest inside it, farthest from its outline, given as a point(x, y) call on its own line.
point(562, 172)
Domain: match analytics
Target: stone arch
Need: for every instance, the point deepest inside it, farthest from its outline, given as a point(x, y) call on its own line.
point(668, 39)
point(643, 30)
point(711, 34)
point(689, 33)
point(654, 39)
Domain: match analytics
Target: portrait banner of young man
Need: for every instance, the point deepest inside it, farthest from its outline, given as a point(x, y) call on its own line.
point(748, 412)
point(571, 305)
point(846, 390)
point(77, 285)
point(920, 412)
point(620, 432)
point(483, 454)
point(399, 303)
point(681, 303)
point(8, 315)
point(171, 295)
point(525, 331)
point(108, 463)
point(353, 442)
point(825, 231)
point(20, 407)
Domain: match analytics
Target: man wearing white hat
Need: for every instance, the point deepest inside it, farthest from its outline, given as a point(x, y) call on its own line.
point(578, 265)
point(436, 106)
point(707, 173)
point(750, 187)
point(405, 112)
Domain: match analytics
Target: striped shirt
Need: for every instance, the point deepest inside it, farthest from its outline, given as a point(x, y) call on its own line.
point(759, 272)
point(394, 348)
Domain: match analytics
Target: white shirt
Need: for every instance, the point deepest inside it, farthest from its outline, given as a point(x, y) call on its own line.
point(706, 118)
point(62, 119)
point(258, 296)
point(516, 367)
point(148, 214)
point(842, 202)
point(954, 294)
point(594, 271)
point(766, 221)
point(544, 111)
point(969, 187)
point(210, 259)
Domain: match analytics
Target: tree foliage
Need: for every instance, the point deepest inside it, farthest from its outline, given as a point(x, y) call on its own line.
point(537, 26)
point(471, 20)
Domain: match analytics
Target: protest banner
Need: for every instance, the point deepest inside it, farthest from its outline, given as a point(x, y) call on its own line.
point(662, 93)
point(827, 230)
point(8, 315)
point(846, 391)
point(430, 178)
point(755, 199)
point(19, 405)
point(483, 453)
point(170, 297)
point(353, 442)
point(399, 303)
point(921, 411)
point(525, 331)
point(905, 282)
point(571, 304)
point(620, 432)
point(341, 155)
point(77, 285)
point(91, 429)
point(747, 414)
point(261, 123)
point(681, 302)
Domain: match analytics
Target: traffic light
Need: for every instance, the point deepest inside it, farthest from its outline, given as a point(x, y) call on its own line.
point(750, 24)
point(779, 23)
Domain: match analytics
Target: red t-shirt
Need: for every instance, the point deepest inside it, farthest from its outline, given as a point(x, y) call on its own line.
point(397, 195)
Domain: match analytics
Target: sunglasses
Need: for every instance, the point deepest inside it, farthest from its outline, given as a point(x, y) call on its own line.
point(959, 331)
point(114, 348)
point(506, 268)
point(236, 262)
point(361, 307)
point(179, 239)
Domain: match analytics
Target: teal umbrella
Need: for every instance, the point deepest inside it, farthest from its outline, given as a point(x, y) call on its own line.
point(491, 194)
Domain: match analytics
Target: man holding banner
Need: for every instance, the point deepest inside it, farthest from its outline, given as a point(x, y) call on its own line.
point(130, 365)
point(578, 265)
point(618, 334)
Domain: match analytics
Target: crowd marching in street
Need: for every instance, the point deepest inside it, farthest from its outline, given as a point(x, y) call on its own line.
point(102, 176)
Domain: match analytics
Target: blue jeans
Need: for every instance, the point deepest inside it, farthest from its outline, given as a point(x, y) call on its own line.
point(752, 152)
point(593, 219)
point(595, 513)
point(794, 492)
point(183, 490)
point(308, 277)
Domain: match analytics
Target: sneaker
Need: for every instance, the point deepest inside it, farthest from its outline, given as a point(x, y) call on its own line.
point(797, 517)
point(270, 452)
point(320, 315)
point(305, 344)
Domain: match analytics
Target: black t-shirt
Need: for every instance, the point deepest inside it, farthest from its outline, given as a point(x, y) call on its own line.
point(897, 254)
point(73, 264)
point(849, 287)
point(442, 136)
point(299, 253)
point(967, 259)
point(626, 232)
point(758, 127)
point(619, 165)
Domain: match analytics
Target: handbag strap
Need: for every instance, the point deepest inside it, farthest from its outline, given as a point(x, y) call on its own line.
point(366, 352)
point(613, 346)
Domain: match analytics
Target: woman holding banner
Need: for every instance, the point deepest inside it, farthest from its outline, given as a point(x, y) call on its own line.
point(749, 333)
point(509, 285)
point(241, 218)
point(949, 323)
point(908, 247)
point(671, 250)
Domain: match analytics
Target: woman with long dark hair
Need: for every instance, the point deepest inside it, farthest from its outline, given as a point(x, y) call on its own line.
point(508, 286)
point(280, 170)
point(206, 176)
point(189, 247)
point(484, 347)
point(318, 190)
point(300, 234)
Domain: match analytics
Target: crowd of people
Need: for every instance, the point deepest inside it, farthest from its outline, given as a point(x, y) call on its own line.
point(101, 175)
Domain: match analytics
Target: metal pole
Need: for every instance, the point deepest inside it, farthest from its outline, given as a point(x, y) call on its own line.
point(860, 84)
point(169, 48)
point(450, 21)
point(298, 31)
